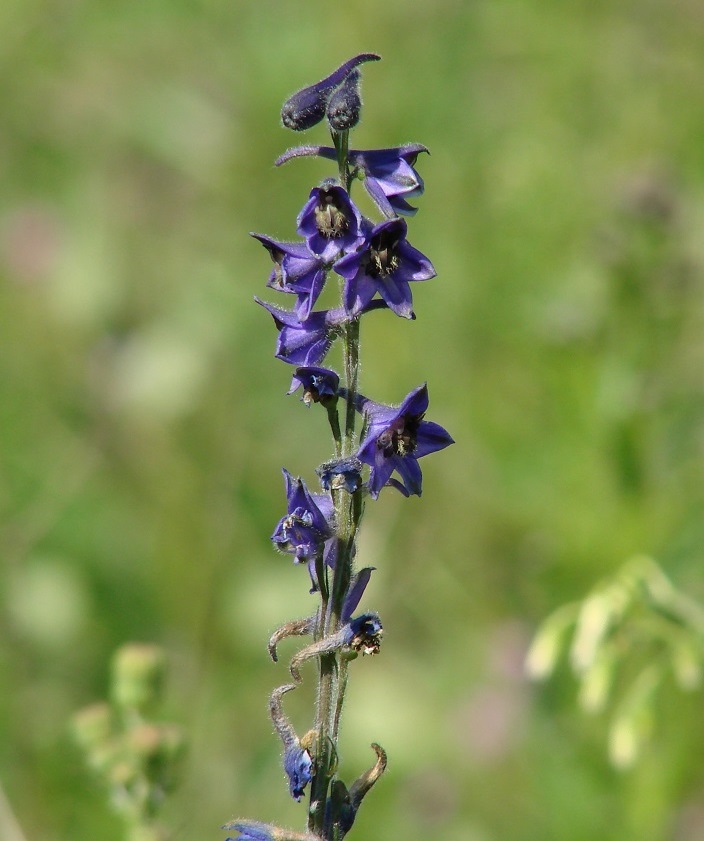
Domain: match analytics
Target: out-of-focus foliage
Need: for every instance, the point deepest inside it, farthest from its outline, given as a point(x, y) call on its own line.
point(631, 633)
point(134, 756)
point(144, 424)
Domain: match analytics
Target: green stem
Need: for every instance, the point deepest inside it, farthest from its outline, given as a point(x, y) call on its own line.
point(332, 676)
point(351, 350)
point(341, 142)
point(334, 421)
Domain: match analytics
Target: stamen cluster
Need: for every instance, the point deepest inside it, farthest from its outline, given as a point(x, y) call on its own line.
point(374, 264)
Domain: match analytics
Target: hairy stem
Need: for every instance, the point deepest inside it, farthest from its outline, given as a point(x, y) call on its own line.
point(332, 675)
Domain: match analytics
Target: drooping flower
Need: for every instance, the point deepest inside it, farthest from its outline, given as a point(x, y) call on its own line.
point(389, 175)
point(304, 342)
point(396, 438)
point(319, 384)
point(307, 524)
point(363, 633)
point(298, 761)
point(330, 223)
point(250, 831)
point(386, 265)
point(307, 342)
point(341, 473)
point(306, 107)
point(258, 831)
point(295, 271)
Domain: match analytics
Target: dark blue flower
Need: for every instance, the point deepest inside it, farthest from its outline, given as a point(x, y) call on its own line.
point(341, 473)
point(296, 271)
point(330, 222)
point(307, 524)
point(396, 438)
point(387, 264)
point(389, 175)
point(319, 384)
point(306, 107)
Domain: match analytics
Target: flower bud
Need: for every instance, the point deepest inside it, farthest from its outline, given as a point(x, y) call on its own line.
point(345, 104)
point(305, 108)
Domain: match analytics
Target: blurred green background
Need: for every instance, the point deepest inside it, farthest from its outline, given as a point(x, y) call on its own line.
point(143, 422)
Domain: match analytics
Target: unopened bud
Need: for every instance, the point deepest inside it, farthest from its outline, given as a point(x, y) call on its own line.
point(306, 107)
point(345, 104)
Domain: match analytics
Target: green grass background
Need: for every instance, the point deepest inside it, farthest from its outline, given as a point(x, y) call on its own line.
point(143, 422)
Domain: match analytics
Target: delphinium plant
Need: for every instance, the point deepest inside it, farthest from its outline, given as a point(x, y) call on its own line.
point(375, 445)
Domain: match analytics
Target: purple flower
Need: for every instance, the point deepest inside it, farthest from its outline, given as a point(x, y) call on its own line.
point(355, 591)
point(319, 384)
point(258, 831)
point(298, 762)
point(396, 438)
point(364, 633)
point(307, 107)
point(330, 222)
point(386, 265)
point(307, 524)
point(389, 175)
point(251, 831)
point(296, 271)
point(307, 342)
point(298, 766)
point(341, 473)
point(303, 342)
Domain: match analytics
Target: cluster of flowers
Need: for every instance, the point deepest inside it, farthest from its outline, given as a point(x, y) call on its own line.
point(376, 265)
